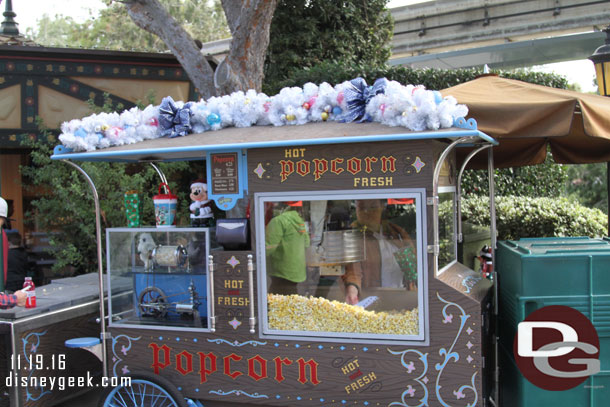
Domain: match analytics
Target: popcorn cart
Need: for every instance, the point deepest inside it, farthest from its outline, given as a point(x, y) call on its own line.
point(336, 284)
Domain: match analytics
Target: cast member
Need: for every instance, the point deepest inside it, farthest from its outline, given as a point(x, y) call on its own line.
point(286, 239)
point(386, 244)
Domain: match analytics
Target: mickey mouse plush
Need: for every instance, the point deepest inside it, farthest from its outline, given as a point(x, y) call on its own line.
point(201, 208)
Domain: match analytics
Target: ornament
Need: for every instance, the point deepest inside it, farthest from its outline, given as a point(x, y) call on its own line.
point(324, 116)
point(213, 119)
point(337, 110)
point(290, 117)
point(306, 106)
point(113, 132)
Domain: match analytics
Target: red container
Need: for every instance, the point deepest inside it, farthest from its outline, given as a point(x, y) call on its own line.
point(30, 288)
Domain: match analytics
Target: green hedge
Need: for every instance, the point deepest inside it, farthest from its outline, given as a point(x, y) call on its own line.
point(433, 79)
point(519, 217)
point(548, 179)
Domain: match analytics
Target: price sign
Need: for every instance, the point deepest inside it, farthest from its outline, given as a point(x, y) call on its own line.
point(225, 173)
point(224, 182)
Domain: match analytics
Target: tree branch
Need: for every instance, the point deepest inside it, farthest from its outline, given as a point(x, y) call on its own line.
point(245, 62)
point(151, 16)
point(249, 22)
point(232, 10)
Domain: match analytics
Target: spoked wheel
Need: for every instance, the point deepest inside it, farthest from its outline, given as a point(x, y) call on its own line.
point(153, 302)
point(146, 390)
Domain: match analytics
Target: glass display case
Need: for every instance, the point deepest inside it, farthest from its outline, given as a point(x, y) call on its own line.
point(167, 270)
point(346, 265)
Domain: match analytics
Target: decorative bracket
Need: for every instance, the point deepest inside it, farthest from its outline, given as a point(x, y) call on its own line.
point(462, 123)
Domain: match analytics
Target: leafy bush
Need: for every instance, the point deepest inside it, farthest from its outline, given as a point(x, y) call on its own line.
point(305, 33)
point(544, 180)
point(519, 217)
point(66, 208)
point(433, 79)
point(588, 183)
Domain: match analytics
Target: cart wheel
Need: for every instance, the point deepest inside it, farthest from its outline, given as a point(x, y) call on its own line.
point(146, 390)
point(153, 302)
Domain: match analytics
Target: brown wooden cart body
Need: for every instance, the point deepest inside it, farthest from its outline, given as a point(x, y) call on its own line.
point(448, 366)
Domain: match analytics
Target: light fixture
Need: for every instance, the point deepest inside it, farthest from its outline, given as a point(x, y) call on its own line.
point(601, 59)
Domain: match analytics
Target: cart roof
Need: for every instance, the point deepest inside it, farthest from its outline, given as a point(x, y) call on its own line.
point(195, 146)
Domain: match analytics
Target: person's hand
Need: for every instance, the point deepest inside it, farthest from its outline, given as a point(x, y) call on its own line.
point(351, 295)
point(21, 297)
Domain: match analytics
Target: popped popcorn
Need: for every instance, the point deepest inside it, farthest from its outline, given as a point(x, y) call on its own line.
point(298, 313)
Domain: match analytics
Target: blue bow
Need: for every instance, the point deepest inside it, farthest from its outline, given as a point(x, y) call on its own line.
point(357, 95)
point(173, 121)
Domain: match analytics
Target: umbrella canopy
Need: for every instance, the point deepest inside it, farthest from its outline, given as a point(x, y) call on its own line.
point(525, 118)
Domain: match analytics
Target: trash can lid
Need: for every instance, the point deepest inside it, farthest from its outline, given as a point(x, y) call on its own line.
point(560, 245)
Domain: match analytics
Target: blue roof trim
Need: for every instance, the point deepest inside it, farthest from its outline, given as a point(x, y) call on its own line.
point(119, 156)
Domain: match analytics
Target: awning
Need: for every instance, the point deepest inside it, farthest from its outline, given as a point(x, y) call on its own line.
point(525, 118)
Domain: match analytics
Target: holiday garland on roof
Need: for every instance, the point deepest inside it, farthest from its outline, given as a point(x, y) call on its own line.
point(386, 102)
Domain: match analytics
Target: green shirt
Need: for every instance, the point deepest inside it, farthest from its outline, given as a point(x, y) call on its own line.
point(285, 241)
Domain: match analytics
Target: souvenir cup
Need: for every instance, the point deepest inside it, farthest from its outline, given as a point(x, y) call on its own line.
point(132, 209)
point(165, 208)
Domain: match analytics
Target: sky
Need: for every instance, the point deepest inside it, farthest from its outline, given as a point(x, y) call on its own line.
point(29, 11)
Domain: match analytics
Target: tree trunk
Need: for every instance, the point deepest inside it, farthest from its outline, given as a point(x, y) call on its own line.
point(249, 22)
point(243, 67)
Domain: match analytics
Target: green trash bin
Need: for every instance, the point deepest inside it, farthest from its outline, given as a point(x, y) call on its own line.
point(538, 272)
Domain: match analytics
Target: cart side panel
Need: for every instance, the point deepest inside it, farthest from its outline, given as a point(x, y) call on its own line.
point(244, 368)
point(5, 361)
point(234, 366)
point(54, 373)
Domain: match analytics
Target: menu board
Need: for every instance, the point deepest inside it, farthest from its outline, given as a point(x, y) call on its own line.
point(225, 173)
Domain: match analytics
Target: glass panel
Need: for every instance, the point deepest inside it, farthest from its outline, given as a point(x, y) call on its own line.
point(165, 272)
point(343, 265)
point(446, 229)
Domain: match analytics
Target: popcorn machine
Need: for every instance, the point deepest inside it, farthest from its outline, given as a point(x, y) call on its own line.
point(342, 287)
